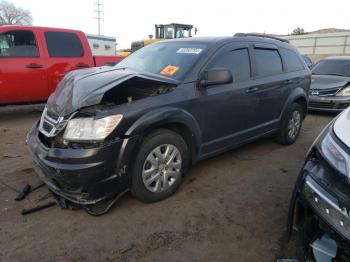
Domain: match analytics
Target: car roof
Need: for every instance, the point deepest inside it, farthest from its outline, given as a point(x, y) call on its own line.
point(41, 28)
point(212, 40)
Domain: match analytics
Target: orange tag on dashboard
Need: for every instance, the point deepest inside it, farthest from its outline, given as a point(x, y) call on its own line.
point(169, 70)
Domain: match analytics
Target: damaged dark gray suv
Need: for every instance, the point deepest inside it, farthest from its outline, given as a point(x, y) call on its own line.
point(139, 125)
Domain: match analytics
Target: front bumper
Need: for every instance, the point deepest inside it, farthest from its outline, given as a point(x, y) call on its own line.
point(321, 206)
point(83, 175)
point(328, 103)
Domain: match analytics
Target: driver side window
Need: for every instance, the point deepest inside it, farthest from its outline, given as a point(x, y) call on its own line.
point(237, 61)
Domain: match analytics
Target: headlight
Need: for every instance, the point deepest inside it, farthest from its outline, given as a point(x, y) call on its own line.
point(85, 129)
point(344, 92)
point(337, 157)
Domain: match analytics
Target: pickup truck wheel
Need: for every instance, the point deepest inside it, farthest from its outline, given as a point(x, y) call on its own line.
point(159, 166)
point(290, 125)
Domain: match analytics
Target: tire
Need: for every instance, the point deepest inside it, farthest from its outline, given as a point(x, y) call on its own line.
point(293, 117)
point(160, 165)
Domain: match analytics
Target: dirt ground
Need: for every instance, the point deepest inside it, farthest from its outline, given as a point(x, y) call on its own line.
point(231, 208)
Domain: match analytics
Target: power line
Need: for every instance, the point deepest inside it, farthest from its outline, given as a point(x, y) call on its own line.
point(98, 10)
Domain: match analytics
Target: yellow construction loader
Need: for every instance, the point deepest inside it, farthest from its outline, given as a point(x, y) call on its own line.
point(163, 32)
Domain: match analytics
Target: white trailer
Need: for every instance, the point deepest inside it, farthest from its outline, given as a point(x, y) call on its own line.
point(322, 44)
point(102, 45)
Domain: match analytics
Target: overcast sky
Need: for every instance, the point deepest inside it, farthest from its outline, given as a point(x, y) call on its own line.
point(130, 20)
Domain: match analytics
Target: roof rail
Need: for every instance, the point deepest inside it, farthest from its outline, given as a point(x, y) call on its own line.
point(261, 35)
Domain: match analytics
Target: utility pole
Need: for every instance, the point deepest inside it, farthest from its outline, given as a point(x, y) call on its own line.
point(99, 17)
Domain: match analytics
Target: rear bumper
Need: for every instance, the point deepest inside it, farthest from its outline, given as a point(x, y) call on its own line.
point(83, 176)
point(328, 104)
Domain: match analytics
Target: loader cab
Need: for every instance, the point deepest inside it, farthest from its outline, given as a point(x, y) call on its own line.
point(163, 32)
point(171, 31)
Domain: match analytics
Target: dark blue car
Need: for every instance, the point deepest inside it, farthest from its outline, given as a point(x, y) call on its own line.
point(140, 125)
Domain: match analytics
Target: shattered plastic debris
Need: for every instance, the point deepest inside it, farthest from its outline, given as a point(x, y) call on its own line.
point(324, 249)
point(10, 155)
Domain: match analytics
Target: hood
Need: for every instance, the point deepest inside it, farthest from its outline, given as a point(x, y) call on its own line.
point(328, 81)
point(82, 88)
point(342, 127)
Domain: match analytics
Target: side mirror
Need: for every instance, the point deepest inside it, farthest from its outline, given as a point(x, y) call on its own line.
point(216, 76)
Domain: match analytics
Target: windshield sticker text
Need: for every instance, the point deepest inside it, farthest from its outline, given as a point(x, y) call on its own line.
point(189, 50)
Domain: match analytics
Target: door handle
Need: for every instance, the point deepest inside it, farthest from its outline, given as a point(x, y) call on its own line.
point(82, 65)
point(251, 90)
point(34, 66)
point(289, 81)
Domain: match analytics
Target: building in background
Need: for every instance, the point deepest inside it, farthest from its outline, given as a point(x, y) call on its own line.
point(102, 45)
point(322, 43)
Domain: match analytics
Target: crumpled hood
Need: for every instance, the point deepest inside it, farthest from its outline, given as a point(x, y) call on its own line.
point(86, 87)
point(328, 81)
point(342, 127)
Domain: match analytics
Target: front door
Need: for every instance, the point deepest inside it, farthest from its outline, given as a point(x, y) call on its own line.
point(227, 107)
point(23, 77)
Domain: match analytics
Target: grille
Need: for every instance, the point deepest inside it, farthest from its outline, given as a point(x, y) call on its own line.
point(51, 124)
point(327, 105)
point(47, 127)
point(325, 92)
point(52, 115)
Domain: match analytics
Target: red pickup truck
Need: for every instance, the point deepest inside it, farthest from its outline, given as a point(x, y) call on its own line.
point(33, 60)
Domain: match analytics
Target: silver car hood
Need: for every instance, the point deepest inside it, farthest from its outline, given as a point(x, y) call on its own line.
point(342, 127)
point(323, 82)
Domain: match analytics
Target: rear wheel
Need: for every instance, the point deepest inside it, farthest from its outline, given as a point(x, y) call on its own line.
point(291, 125)
point(159, 166)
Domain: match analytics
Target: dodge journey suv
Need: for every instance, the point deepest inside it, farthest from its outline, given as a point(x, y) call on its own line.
point(139, 126)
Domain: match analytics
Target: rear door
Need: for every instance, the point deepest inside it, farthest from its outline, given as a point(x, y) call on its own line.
point(227, 107)
point(269, 83)
point(66, 52)
point(23, 75)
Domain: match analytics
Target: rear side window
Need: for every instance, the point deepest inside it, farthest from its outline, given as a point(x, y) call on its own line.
point(19, 43)
point(268, 62)
point(292, 60)
point(61, 44)
point(237, 60)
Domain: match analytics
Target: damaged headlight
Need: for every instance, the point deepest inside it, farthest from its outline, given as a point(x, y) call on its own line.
point(86, 129)
point(336, 156)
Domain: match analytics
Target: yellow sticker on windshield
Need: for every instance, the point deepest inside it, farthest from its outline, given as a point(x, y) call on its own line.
point(169, 70)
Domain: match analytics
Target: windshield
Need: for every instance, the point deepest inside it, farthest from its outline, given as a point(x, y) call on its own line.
point(169, 59)
point(332, 67)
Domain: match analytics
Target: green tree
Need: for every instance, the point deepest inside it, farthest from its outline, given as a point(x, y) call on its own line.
point(298, 31)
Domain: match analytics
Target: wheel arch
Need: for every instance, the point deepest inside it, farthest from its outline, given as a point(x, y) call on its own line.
point(298, 95)
point(174, 119)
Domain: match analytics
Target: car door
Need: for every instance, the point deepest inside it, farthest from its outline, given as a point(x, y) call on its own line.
point(227, 107)
point(65, 53)
point(269, 82)
point(23, 76)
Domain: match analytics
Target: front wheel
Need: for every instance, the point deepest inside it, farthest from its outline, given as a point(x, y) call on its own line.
point(290, 125)
point(159, 166)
